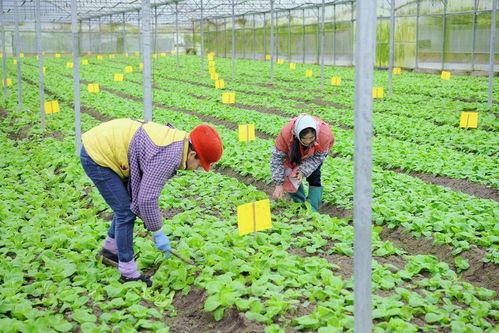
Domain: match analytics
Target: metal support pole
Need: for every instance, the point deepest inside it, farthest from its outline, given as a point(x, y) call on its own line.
point(100, 35)
point(202, 37)
point(243, 39)
point(233, 40)
point(353, 35)
point(473, 45)
point(276, 27)
point(264, 37)
point(155, 31)
point(418, 9)
point(303, 34)
point(318, 40)
point(272, 40)
point(323, 38)
point(146, 58)
point(124, 34)
point(225, 37)
point(38, 27)
point(364, 60)
point(4, 55)
point(289, 36)
point(90, 35)
point(253, 41)
point(334, 35)
point(76, 74)
point(176, 42)
point(444, 28)
point(492, 51)
point(17, 40)
point(392, 45)
point(139, 25)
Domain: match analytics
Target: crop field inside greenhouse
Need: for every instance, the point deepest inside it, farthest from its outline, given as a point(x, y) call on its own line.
point(433, 199)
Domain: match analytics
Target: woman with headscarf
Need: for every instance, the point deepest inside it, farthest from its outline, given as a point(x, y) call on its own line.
point(300, 150)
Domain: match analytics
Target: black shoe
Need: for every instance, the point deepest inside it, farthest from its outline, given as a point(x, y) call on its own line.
point(140, 278)
point(108, 258)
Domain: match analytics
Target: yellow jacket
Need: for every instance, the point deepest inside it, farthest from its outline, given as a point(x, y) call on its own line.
point(108, 143)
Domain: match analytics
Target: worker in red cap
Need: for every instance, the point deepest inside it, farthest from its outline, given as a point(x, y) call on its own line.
point(300, 149)
point(129, 161)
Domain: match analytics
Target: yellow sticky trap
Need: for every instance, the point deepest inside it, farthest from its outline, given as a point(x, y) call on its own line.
point(469, 120)
point(21, 55)
point(51, 107)
point(163, 54)
point(1, 55)
point(309, 73)
point(211, 70)
point(44, 69)
point(336, 81)
point(89, 53)
point(93, 88)
point(118, 77)
point(247, 132)
point(43, 53)
point(35, 57)
point(69, 65)
point(445, 75)
point(214, 76)
point(14, 61)
point(228, 98)
point(268, 57)
point(210, 57)
point(154, 56)
point(377, 92)
point(7, 82)
point(57, 55)
point(84, 62)
point(253, 217)
point(211, 63)
point(280, 61)
point(128, 69)
point(141, 65)
point(219, 84)
point(173, 52)
point(292, 65)
point(126, 54)
point(397, 70)
point(136, 53)
point(99, 57)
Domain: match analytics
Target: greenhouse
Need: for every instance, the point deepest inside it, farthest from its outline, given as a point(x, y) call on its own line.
point(249, 166)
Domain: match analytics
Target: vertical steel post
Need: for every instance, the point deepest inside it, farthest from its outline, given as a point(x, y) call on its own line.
point(124, 34)
point(289, 35)
point(243, 39)
point(323, 40)
point(176, 30)
point(353, 35)
point(139, 25)
point(202, 37)
point(318, 39)
point(233, 40)
point(76, 74)
point(17, 41)
point(100, 35)
point(225, 37)
point(90, 35)
point(444, 28)
point(303, 34)
point(364, 60)
point(334, 35)
point(264, 37)
point(272, 53)
point(492, 51)
point(4, 55)
point(392, 45)
point(38, 27)
point(253, 41)
point(418, 9)
point(276, 27)
point(473, 44)
point(155, 41)
point(146, 58)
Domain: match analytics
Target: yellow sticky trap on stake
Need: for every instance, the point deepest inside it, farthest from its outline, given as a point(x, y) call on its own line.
point(44, 70)
point(51, 107)
point(128, 69)
point(214, 76)
point(336, 81)
point(57, 55)
point(163, 54)
point(173, 52)
point(89, 53)
point(445, 75)
point(21, 55)
point(84, 62)
point(112, 56)
point(280, 61)
point(69, 65)
point(253, 217)
point(397, 70)
point(469, 120)
point(154, 56)
point(377, 92)
point(268, 57)
point(141, 65)
point(247, 132)
point(309, 73)
point(126, 54)
point(7, 82)
point(292, 65)
point(118, 77)
point(14, 61)
point(219, 84)
point(211, 63)
point(99, 57)
point(93, 88)
point(1, 55)
point(210, 57)
point(43, 53)
point(136, 53)
point(211, 70)
point(228, 98)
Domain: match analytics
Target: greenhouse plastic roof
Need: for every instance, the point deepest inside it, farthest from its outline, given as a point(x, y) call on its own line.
point(59, 11)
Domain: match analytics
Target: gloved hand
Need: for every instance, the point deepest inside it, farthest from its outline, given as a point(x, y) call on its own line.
point(162, 242)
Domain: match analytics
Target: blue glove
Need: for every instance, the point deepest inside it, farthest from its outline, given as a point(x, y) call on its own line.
point(162, 242)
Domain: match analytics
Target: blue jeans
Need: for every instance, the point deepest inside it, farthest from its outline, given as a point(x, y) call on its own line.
point(114, 190)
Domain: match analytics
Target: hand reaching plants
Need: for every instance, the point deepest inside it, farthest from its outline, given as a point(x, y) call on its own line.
point(162, 242)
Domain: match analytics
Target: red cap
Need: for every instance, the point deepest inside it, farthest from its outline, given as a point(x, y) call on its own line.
point(207, 144)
